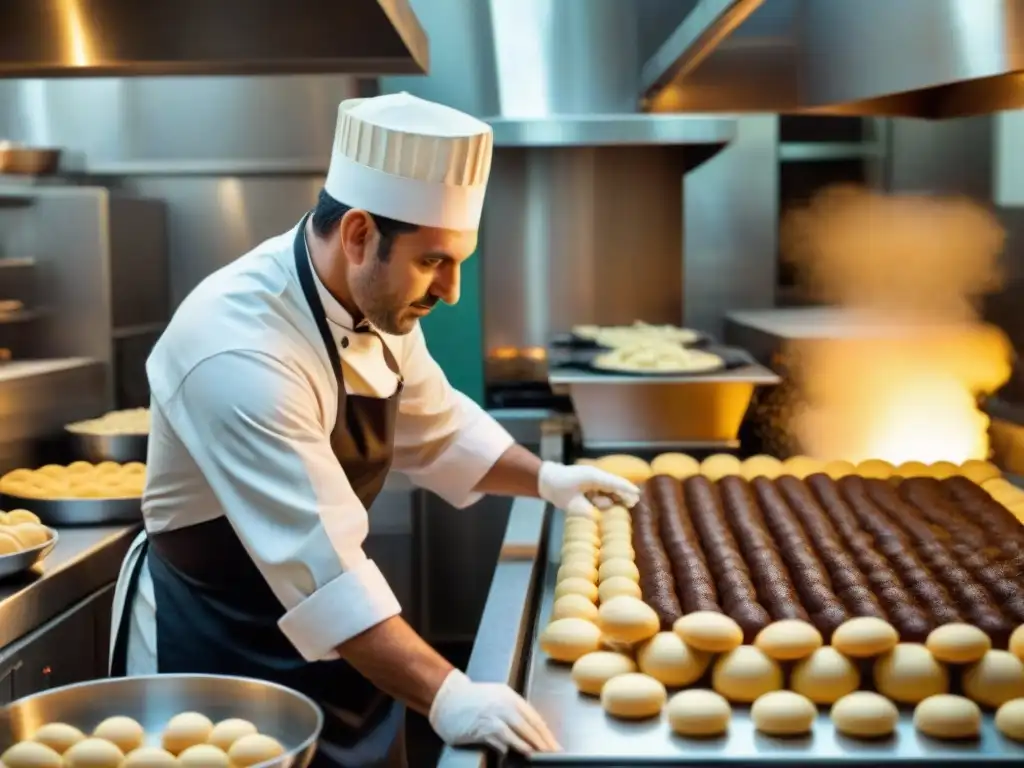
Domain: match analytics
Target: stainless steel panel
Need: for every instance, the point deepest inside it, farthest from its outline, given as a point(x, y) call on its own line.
point(704, 134)
point(52, 38)
point(139, 279)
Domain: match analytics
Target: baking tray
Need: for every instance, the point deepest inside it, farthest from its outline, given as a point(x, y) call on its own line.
point(589, 737)
point(97, 448)
point(72, 512)
point(288, 716)
point(27, 558)
point(572, 341)
point(583, 360)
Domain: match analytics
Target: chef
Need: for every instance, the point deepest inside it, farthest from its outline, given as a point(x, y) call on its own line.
point(285, 388)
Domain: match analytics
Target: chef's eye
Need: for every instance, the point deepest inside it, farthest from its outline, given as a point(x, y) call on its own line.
point(431, 261)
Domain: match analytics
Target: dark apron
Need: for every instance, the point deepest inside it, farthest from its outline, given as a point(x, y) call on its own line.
point(215, 613)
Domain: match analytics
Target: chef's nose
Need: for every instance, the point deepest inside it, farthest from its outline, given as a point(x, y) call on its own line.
point(446, 284)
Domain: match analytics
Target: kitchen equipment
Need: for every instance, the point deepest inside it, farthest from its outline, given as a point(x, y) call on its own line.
point(22, 561)
point(78, 511)
point(291, 718)
point(121, 448)
point(28, 161)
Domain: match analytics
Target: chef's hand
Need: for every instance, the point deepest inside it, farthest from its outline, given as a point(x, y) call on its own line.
point(465, 712)
point(567, 488)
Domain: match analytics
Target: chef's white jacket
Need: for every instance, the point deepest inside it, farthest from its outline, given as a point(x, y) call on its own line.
point(243, 402)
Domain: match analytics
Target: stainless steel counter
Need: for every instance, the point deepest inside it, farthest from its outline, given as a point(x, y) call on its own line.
point(84, 561)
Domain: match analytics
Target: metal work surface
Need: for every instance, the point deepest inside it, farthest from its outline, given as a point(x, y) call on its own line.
point(588, 736)
point(754, 373)
point(84, 560)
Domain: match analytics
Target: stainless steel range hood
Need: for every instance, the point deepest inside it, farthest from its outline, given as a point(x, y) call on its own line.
point(88, 38)
point(918, 58)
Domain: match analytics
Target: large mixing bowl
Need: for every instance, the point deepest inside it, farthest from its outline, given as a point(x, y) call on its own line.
point(291, 718)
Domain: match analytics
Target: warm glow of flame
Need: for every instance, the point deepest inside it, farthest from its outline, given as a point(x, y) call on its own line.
point(76, 34)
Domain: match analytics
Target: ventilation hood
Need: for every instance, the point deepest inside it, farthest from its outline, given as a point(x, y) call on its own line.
point(88, 38)
point(913, 58)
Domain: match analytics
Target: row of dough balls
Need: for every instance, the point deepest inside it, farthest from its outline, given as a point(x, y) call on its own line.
point(624, 659)
point(21, 530)
point(190, 740)
point(597, 564)
point(78, 480)
point(719, 465)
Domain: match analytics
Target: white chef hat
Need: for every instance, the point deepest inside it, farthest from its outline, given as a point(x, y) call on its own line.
point(412, 160)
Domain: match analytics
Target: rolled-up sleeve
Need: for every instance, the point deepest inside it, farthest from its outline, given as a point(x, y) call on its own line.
point(254, 427)
point(444, 441)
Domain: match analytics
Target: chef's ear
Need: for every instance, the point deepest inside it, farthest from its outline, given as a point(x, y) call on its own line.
point(358, 235)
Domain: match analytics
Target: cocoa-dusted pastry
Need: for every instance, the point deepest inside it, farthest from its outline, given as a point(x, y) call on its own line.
point(847, 582)
point(992, 565)
point(904, 611)
point(695, 587)
point(999, 523)
point(775, 588)
point(974, 601)
point(809, 574)
point(732, 577)
point(657, 585)
point(894, 544)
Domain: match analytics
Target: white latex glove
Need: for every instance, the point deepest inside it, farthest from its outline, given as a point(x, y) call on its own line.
point(465, 712)
point(567, 488)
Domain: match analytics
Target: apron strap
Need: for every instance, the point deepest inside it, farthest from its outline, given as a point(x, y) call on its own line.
point(119, 657)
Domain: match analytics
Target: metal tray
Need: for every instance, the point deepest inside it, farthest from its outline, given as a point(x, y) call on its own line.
point(63, 512)
point(583, 359)
point(291, 718)
point(579, 342)
point(590, 737)
point(119, 448)
point(27, 558)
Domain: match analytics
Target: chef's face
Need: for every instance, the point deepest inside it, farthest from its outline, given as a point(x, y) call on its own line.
point(396, 281)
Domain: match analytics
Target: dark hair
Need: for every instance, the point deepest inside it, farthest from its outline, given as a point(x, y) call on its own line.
point(328, 213)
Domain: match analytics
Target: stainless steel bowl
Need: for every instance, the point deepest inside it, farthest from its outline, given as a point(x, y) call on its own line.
point(288, 716)
point(119, 448)
point(22, 561)
point(77, 511)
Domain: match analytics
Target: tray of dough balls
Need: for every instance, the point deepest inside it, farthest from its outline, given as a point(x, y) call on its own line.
point(800, 611)
point(80, 493)
point(24, 541)
point(120, 436)
point(162, 721)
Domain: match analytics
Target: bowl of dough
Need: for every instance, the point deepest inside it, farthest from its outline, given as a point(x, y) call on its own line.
point(80, 493)
point(161, 721)
point(24, 541)
point(120, 436)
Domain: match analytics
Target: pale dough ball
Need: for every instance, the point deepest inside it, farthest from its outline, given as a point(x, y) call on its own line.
point(567, 639)
point(1010, 719)
point(958, 643)
point(616, 514)
point(943, 469)
point(31, 754)
point(745, 673)
point(227, 732)
point(979, 471)
point(203, 756)
point(581, 548)
point(720, 465)
point(825, 676)
point(709, 631)
point(576, 586)
point(761, 466)
point(631, 468)
point(1017, 642)
point(944, 716)
point(29, 534)
point(633, 696)
point(254, 748)
point(186, 730)
point(93, 753)
point(16, 516)
point(839, 469)
point(592, 670)
point(59, 737)
point(670, 661)
point(573, 607)
point(875, 469)
point(9, 544)
point(783, 713)
point(994, 680)
point(677, 465)
point(627, 619)
point(616, 550)
point(617, 586)
point(912, 469)
point(865, 715)
point(616, 530)
point(580, 525)
point(865, 636)
point(909, 674)
point(619, 566)
point(1004, 492)
point(149, 757)
point(801, 466)
point(699, 713)
point(124, 732)
point(577, 569)
point(789, 639)
point(580, 536)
